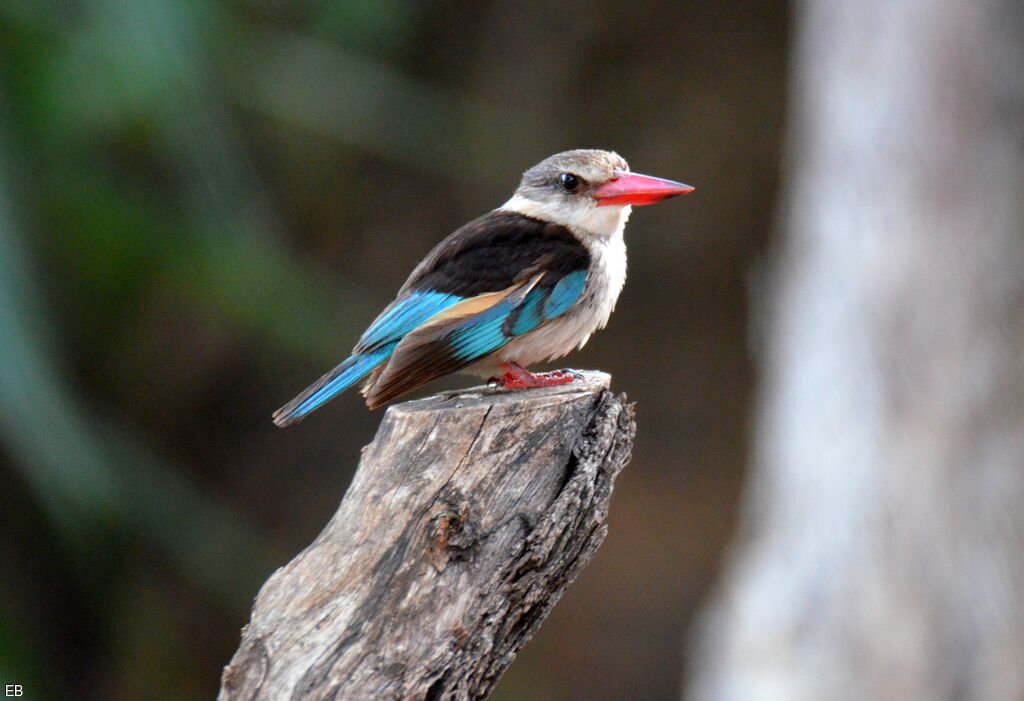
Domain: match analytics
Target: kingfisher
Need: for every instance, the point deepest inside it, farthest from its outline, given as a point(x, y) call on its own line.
point(526, 283)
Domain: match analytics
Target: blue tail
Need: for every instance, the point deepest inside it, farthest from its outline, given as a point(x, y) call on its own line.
point(349, 372)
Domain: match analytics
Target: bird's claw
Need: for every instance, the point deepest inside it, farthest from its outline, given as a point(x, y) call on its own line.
point(517, 377)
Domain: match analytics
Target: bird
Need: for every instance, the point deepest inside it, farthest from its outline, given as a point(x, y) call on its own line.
point(528, 282)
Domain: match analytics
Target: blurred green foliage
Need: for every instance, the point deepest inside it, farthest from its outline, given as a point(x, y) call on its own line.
point(116, 140)
point(203, 201)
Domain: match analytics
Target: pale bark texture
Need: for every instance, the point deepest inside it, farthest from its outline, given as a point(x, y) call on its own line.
point(468, 517)
point(882, 548)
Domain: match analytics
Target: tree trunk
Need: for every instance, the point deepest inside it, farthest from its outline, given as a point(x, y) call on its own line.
point(468, 517)
point(882, 554)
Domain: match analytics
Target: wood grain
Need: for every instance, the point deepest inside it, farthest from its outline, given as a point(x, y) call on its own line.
point(468, 517)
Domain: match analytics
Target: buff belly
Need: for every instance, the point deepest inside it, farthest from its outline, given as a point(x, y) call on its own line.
point(555, 339)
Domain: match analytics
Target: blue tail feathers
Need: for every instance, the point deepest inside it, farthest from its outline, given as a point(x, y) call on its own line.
point(347, 373)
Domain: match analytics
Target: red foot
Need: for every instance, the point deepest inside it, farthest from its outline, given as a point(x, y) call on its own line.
point(517, 377)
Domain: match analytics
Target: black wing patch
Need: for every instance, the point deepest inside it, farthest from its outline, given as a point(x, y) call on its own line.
point(497, 251)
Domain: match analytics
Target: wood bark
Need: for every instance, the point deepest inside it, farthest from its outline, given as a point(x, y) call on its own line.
point(881, 551)
point(468, 517)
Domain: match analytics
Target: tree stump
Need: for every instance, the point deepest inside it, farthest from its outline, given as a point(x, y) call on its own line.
point(468, 517)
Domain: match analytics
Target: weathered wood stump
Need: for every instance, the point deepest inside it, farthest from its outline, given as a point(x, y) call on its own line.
point(468, 517)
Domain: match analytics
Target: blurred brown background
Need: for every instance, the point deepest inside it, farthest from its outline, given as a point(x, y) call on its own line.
point(204, 202)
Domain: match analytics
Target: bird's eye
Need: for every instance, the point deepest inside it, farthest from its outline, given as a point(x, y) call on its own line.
point(568, 181)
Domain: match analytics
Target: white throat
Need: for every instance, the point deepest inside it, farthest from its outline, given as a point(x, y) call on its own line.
point(584, 219)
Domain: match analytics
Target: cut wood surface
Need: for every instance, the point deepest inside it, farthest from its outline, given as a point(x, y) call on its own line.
point(468, 517)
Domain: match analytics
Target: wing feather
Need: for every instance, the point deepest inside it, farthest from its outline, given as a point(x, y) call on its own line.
point(496, 278)
point(410, 311)
point(456, 342)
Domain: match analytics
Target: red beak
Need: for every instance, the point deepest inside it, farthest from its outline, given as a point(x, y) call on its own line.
point(633, 188)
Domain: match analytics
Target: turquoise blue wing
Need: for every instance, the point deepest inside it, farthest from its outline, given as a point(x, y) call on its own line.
point(404, 315)
point(376, 345)
point(546, 302)
point(347, 373)
point(430, 351)
point(447, 347)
